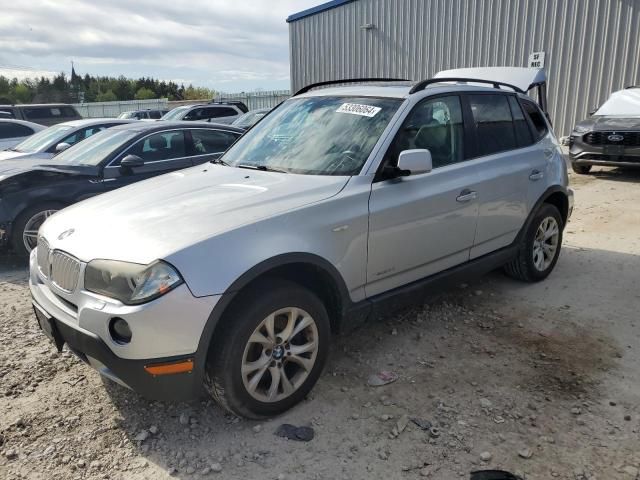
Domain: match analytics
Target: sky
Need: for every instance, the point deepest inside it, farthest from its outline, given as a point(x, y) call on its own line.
point(227, 45)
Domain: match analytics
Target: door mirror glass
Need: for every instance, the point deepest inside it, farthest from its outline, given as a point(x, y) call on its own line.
point(131, 161)
point(416, 162)
point(62, 146)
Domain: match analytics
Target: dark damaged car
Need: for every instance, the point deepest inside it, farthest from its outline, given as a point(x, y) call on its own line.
point(32, 189)
point(611, 136)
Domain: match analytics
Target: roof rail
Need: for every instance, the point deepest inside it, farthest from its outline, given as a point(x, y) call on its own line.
point(425, 83)
point(347, 80)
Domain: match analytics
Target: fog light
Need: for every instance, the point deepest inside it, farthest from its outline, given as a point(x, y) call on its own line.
point(120, 331)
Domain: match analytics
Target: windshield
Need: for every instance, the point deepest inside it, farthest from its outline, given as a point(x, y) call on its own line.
point(315, 135)
point(42, 140)
point(96, 148)
point(176, 113)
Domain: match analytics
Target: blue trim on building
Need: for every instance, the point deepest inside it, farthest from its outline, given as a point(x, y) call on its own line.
point(313, 10)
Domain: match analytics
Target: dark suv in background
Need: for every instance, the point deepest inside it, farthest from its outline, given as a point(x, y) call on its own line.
point(45, 114)
point(610, 136)
point(218, 112)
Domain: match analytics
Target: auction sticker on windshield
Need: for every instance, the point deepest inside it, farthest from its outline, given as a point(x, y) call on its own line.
point(357, 109)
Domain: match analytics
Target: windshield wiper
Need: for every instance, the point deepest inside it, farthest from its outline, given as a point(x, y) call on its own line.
point(262, 168)
point(219, 161)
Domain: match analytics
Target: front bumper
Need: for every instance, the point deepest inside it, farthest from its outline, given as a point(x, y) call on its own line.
point(582, 153)
point(165, 330)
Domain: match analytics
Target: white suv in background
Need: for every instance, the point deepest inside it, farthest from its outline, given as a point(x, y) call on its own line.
point(341, 202)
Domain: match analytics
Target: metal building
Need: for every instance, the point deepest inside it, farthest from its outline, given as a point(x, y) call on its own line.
point(591, 47)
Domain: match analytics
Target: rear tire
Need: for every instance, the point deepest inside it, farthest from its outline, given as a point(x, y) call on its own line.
point(581, 169)
point(540, 246)
point(24, 235)
point(270, 351)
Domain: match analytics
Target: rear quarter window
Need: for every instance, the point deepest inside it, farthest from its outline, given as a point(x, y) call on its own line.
point(13, 130)
point(537, 119)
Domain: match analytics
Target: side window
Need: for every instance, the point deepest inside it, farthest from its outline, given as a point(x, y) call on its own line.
point(523, 134)
point(160, 146)
point(154, 114)
point(12, 130)
point(211, 141)
point(537, 119)
point(435, 124)
point(194, 114)
point(493, 123)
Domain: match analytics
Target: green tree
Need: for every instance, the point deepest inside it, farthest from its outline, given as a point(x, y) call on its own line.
point(144, 94)
point(22, 93)
point(107, 96)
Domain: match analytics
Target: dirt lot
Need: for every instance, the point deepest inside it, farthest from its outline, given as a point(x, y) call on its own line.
point(542, 380)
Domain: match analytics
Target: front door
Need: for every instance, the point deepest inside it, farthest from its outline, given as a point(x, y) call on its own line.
point(423, 224)
point(162, 152)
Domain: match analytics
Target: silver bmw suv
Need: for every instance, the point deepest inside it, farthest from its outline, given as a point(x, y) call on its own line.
point(342, 201)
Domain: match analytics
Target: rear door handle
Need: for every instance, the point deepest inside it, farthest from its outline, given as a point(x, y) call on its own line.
point(466, 196)
point(536, 175)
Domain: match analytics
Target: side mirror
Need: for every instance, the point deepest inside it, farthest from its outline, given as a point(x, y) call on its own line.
point(592, 112)
point(416, 162)
point(131, 161)
point(62, 146)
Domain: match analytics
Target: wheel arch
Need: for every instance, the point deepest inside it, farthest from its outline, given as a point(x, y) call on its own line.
point(309, 270)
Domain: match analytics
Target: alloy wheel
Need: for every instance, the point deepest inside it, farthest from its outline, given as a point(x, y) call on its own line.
point(280, 354)
point(30, 232)
point(545, 243)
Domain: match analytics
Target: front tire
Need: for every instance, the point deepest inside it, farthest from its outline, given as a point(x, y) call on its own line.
point(581, 169)
point(540, 246)
point(24, 237)
point(270, 351)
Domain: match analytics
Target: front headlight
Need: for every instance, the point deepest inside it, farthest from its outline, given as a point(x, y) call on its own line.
point(131, 283)
point(581, 129)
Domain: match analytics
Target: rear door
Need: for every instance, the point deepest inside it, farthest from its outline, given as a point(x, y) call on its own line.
point(543, 152)
point(503, 155)
point(423, 224)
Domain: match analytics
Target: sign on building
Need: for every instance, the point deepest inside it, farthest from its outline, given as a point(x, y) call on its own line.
point(536, 60)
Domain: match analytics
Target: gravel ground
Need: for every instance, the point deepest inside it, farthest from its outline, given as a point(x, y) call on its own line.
point(542, 380)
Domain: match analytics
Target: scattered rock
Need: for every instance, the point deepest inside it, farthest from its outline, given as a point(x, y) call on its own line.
point(216, 467)
point(627, 418)
point(142, 436)
point(525, 453)
point(486, 403)
point(153, 430)
point(257, 428)
point(291, 432)
point(11, 454)
point(486, 456)
point(421, 423)
point(184, 418)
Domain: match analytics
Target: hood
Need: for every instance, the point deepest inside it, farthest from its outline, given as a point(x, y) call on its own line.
point(36, 162)
point(10, 154)
point(609, 123)
point(155, 218)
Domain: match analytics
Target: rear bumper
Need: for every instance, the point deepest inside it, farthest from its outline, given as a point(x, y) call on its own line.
point(130, 373)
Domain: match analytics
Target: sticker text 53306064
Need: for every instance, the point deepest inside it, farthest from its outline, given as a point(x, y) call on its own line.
point(358, 109)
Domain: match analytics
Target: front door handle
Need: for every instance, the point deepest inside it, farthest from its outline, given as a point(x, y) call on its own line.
point(536, 175)
point(466, 196)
